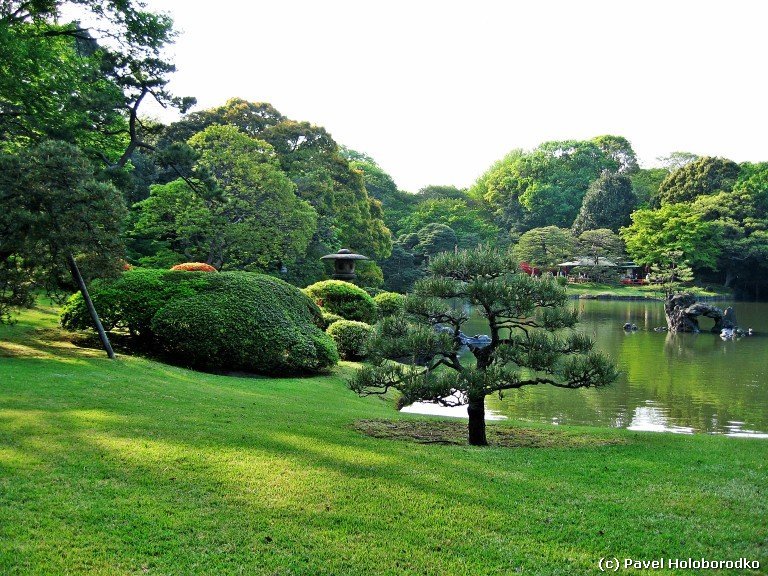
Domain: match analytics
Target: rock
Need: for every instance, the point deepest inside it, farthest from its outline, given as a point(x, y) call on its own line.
point(729, 318)
point(682, 313)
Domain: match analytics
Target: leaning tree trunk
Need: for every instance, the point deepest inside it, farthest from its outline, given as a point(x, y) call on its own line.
point(91, 309)
point(476, 412)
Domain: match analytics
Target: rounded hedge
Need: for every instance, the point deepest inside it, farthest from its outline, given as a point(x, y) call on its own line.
point(132, 299)
point(351, 338)
point(344, 299)
point(389, 303)
point(194, 267)
point(229, 320)
point(248, 322)
point(329, 318)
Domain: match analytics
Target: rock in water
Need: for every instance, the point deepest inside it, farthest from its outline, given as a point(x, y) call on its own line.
point(729, 318)
point(675, 308)
point(682, 313)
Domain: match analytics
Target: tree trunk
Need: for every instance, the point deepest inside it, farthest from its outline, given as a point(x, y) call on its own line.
point(476, 412)
point(91, 309)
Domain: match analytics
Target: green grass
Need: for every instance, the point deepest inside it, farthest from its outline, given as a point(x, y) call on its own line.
point(596, 288)
point(136, 467)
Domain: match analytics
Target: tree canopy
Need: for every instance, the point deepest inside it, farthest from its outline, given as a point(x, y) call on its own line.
point(247, 217)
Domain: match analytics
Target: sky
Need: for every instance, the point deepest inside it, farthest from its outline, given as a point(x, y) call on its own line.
point(436, 91)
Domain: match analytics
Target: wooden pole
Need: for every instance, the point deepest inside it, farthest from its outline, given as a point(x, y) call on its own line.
point(91, 309)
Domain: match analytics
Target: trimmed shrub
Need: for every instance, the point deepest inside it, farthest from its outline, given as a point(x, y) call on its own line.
point(351, 338)
point(249, 322)
point(329, 318)
point(194, 267)
point(132, 299)
point(389, 303)
point(344, 299)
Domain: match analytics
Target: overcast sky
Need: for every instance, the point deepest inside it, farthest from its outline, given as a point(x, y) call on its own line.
point(436, 91)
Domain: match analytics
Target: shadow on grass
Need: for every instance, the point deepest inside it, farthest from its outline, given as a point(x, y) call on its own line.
point(455, 433)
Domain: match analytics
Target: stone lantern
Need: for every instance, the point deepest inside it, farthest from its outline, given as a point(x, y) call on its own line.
point(344, 263)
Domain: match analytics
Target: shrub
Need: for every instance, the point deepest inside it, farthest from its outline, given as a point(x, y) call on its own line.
point(351, 338)
point(329, 318)
point(132, 299)
point(344, 299)
point(248, 322)
point(389, 303)
point(194, 267)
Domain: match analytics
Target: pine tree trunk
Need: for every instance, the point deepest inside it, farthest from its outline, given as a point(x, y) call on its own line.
point(476, 412)
point(78, 278)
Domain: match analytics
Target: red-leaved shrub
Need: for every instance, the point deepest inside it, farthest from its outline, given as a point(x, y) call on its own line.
point(194, 267)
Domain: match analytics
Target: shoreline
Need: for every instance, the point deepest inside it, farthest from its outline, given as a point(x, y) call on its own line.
point(627, 297)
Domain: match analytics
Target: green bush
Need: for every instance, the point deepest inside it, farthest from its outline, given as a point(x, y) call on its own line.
point(131, 300)
point(344, 299)
point(329, 318)
point(249, 322)
point(351, 338)
point(389, 303)
point(247, 315)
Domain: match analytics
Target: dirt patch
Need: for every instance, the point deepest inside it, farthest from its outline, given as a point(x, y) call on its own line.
point(455, 433)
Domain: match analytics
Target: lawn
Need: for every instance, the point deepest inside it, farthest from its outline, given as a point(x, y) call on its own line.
point(136, 467)
point(622, 291)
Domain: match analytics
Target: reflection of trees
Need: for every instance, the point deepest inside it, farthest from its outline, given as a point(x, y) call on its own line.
point(697, 380)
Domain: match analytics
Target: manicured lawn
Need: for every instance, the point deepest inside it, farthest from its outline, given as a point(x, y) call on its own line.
point(136, 467)
point(595, 288)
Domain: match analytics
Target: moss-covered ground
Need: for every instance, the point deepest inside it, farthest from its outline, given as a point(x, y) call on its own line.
point(136, 467)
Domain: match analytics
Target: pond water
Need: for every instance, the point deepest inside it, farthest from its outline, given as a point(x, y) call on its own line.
point(669, 382)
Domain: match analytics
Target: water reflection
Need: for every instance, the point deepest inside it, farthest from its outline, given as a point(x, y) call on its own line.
point(670, 382)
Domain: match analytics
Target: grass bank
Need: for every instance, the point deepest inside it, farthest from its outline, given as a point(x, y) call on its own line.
point(135, 467)
point(596, 289)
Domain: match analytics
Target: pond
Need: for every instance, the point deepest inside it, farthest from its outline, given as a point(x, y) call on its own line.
point(669, 382)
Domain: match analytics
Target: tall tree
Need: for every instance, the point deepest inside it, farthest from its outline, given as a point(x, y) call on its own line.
point(347, 215)
point(542, 187)
point(607, 204)
point(620, 150)
point(60, 220)
point(247, 217)
point(601, 243)
point(83, 84)
point(706, 175)
point(545, 247)
point(529, 342)
point(674, 227)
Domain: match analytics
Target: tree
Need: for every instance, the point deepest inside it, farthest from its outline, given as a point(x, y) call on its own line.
point(59, 219)
point(674, 227)
point(247, 217)
point(435, 238)
point(620, 150)
point(402, 268)
point(542, 187)
point(545, 247)
point(607, 204)
point(601, 243)
point(346, 215)
point(440, 192)
point(676, 160)
point(646, 182)
point(83, 84)
point(470, 224)
point(706, 175)
point(740, 217)
point(529, 343)
point(670, 272)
